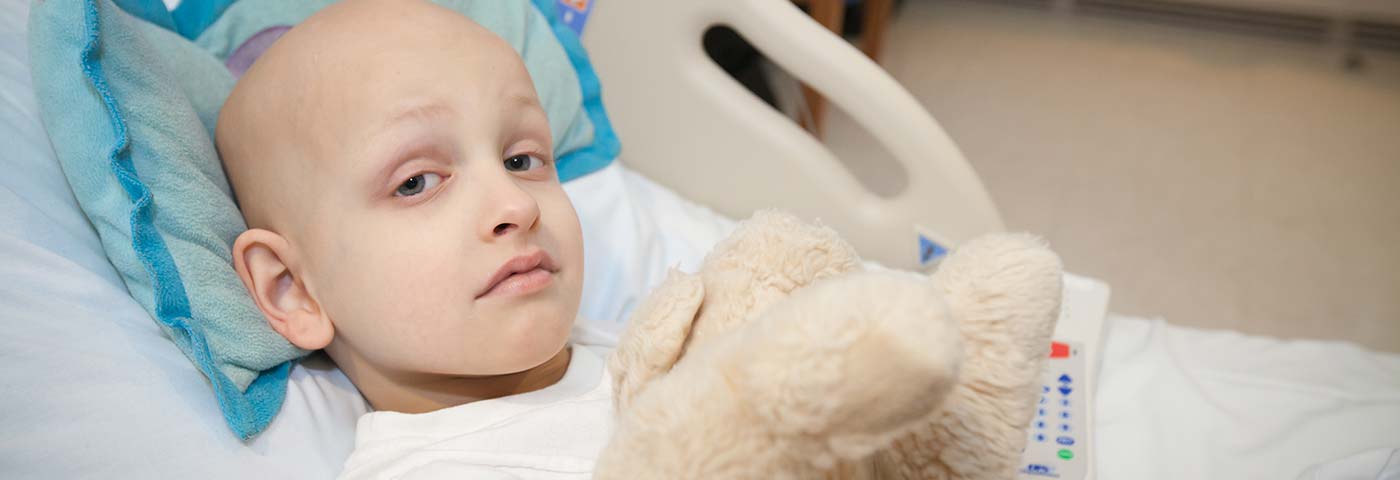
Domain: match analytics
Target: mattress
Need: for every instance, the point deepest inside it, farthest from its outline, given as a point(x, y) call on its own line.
point(1182, 403)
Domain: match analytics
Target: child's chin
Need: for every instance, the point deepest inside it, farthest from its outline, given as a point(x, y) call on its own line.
point(538, 347)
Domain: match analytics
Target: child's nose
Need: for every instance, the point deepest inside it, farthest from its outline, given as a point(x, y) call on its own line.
point(515, 210)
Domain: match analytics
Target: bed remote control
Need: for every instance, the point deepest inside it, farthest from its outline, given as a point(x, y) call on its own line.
point(1060, 436)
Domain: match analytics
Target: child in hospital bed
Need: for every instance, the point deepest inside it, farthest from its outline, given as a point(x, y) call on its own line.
point(394, 166)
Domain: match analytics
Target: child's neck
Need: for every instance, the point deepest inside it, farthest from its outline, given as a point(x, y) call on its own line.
point(426, 393)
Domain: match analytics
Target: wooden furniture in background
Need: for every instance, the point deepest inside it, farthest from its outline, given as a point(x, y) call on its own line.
point(831, 14)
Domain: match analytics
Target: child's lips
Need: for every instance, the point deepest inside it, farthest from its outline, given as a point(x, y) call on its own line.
point(521, 275)
point(521, 283)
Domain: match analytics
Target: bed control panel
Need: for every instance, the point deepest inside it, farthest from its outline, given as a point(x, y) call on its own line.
point(1056, 444)
point(1059, 440)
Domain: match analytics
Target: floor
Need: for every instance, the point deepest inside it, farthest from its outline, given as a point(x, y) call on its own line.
point(1214, 179)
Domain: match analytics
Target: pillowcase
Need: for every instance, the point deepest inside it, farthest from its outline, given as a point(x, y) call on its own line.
point(130, 109)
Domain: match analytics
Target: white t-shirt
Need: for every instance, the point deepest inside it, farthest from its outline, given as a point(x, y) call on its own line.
point(552, 433)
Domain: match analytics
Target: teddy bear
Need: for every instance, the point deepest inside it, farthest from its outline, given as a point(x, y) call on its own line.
point(785, 356)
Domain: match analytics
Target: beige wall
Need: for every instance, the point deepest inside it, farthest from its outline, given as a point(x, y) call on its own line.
point(1215, 179)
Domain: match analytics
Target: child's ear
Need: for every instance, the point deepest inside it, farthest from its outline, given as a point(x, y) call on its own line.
point(264, 261)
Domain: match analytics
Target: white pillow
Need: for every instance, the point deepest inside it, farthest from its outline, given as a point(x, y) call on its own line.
point(93, 388)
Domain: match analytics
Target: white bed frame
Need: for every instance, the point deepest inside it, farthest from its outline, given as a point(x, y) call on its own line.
point(721, 146)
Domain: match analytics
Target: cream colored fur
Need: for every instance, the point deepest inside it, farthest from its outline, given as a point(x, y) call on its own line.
point(782, 358)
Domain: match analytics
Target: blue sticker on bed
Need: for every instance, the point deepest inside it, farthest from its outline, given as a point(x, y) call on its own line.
point(129, 93)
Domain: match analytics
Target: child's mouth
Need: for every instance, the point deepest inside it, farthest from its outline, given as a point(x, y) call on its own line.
point(521, 283)
point(521, 275)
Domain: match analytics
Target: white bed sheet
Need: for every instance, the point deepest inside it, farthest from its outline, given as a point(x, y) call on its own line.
point(1181, 403)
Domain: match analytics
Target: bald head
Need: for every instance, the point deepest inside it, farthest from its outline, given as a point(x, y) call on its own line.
point(306, 105)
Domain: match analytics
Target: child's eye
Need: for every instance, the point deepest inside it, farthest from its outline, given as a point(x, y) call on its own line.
point(522, 162)
point(418, 184)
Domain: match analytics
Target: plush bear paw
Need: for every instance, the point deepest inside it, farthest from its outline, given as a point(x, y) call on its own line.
point(833, 373)
point(768, 256)
point(850, 363)
point(655, 335)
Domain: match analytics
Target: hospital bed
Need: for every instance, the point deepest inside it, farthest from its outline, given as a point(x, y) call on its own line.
point(89, 387)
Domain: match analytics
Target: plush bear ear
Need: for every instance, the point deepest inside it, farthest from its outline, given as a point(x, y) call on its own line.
point(1004, 290)
point(656, 335)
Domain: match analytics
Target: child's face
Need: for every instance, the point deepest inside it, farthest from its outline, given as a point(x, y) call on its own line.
point(412, 179)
